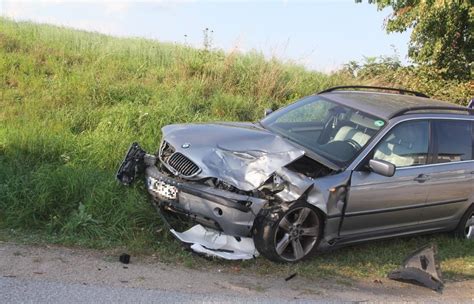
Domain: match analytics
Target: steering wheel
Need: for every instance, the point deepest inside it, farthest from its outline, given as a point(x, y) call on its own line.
point(340, 149)
point(354, 144)
point(326, 133)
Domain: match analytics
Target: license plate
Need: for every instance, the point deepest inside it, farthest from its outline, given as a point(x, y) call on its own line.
point(163, 189)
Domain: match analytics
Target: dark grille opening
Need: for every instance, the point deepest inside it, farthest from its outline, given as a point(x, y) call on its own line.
point(182, 164)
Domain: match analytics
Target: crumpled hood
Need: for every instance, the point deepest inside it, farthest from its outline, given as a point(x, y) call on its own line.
point(240, 154)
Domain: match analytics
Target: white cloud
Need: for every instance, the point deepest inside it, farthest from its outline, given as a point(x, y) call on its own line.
point(26, 9)
point(112, 8)
point(29, 10)
point(13, 9)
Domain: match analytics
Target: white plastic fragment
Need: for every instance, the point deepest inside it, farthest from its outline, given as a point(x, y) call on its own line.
point(214, 243)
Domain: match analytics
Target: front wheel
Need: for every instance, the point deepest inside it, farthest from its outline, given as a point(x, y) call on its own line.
point(288, 235)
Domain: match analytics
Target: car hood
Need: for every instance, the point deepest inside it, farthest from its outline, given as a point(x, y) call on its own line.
point(240, 154)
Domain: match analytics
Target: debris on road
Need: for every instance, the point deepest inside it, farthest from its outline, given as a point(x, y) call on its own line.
point(290, 277)
point(421, 267)
point(124, 258)
point(213, 243)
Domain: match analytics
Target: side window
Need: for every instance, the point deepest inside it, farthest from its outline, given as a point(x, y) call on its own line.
point(453, 141)
point(405, 145)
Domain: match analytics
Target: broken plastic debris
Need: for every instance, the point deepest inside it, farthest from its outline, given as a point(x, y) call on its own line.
point(290, 277)
point(124, 258)
point(421, 267)
point(214, 243)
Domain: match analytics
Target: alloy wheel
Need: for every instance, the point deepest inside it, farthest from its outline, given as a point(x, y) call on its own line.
point(297, 233)
point(469, 229)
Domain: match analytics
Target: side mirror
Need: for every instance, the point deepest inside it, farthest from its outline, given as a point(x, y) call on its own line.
point(382, 167)
point(267, 112)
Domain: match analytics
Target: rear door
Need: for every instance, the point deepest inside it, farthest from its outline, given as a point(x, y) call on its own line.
point(378, 204)
point(451, 177)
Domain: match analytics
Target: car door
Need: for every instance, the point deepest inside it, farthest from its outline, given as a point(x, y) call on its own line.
point(451, 177)
point(378, 204)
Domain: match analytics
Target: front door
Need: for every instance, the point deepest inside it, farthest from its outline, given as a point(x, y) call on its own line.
point(378, 204)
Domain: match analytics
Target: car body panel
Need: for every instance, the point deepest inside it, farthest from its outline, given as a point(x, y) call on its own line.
point(450, 191)
point(377, 202)
point(239, 154)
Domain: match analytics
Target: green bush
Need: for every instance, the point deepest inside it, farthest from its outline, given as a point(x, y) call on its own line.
point(388, 71)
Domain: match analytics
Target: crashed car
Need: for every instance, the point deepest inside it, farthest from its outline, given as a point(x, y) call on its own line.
point(346, 165)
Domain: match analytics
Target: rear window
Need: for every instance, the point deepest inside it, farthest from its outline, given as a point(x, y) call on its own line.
point(454, 141)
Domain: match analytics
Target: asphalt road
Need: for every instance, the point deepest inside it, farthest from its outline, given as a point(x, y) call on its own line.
point(53, 274)
point(13, 290)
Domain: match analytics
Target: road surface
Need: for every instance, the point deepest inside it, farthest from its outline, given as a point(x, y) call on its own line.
point(54, 274)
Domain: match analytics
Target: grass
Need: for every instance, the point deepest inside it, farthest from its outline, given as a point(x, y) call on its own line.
point(71, 104)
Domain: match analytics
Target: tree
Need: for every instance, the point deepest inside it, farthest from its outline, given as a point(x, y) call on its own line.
point(442, 36)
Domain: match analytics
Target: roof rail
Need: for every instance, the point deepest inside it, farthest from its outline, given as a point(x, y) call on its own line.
point(400, 91)
point(470, 111)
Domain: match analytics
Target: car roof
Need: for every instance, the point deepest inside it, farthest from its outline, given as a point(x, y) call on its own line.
point(386, 105)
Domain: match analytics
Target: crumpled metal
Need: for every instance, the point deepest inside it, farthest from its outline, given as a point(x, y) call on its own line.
point(247, 173)
point(296, 184)
point(239, 154)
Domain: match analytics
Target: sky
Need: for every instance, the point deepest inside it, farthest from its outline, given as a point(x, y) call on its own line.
point(320, 34)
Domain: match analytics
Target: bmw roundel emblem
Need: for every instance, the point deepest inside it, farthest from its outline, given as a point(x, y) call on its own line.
point(185, 145)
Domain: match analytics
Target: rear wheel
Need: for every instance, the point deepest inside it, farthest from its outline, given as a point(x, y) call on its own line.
point(469, 229)
point(465, 229)
point(288, 235)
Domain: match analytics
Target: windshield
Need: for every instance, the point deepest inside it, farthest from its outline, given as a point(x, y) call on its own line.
point(331, 130)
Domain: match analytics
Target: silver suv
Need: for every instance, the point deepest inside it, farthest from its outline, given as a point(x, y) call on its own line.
point(348, 164)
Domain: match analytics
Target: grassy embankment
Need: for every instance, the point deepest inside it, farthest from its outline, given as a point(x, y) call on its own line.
point(72, 102)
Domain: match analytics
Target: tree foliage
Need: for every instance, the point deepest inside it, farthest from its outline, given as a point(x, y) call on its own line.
point(387, 71)
point(442, 36)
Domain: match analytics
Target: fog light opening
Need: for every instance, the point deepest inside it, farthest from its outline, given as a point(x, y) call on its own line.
point(218, 211)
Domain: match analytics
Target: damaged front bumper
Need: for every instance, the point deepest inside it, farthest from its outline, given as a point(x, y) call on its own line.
point(228, 212)
point(224, 219)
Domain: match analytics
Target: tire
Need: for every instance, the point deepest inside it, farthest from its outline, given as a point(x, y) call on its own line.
point(465, 229)
point(288, 234)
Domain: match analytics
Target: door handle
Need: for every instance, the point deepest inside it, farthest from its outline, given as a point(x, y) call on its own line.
point(422, 178)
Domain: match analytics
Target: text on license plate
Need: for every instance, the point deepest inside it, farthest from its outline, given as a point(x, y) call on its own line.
point(163, 189)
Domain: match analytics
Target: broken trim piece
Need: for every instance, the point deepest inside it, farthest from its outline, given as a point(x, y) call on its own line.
point(421, 267)
point(213, 243)
point(132, 165)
